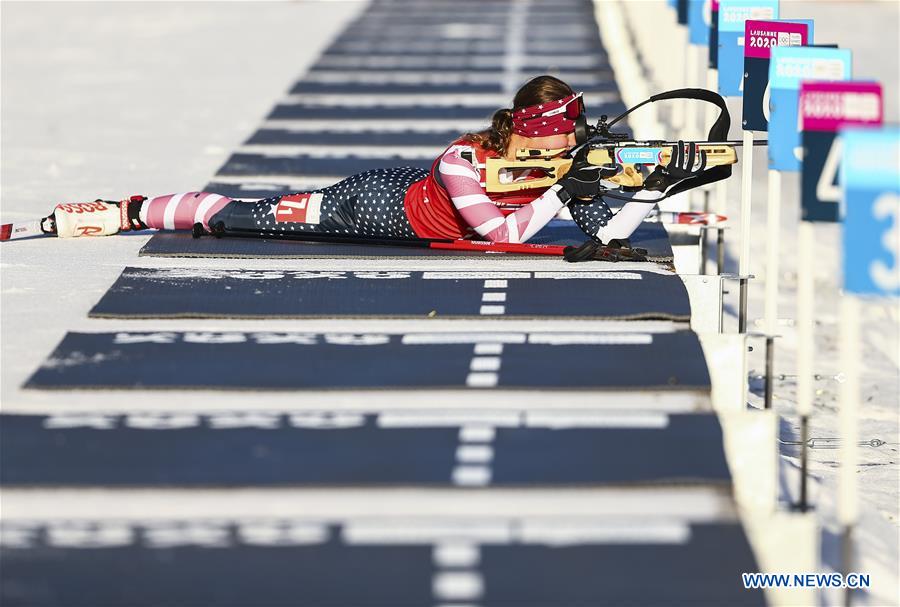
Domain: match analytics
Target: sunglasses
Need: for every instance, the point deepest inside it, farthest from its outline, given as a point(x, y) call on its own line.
point(572, 110)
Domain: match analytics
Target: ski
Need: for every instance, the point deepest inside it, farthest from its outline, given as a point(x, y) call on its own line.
point(27, 229)
point(687, 218)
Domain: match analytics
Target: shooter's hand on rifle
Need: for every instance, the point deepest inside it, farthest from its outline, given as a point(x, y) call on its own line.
point(680, 167)
point(583, 181)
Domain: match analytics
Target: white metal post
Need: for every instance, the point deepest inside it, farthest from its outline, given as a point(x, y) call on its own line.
point(805, 343)
point(744, 259)
point(848, 415)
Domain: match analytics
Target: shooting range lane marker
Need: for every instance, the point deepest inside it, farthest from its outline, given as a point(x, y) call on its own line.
point(485, 365)
point(494, 291)
point(474, 455)
point(456, 577)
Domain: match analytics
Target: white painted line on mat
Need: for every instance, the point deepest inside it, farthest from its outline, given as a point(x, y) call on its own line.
point(458, 555)
point(488, 349)
point(481, 380)
point(452, 419)
point(691, 503)
point(472, 476)
point(474, 454)
point(492, 310)
point(463, 338)
point(596, 419)
point(569, 339)
point(485, 363)
point(457, 585)
point(497, 280)
point(477, 433)
point(596, 532)
point(589, 275)
point(417, 531)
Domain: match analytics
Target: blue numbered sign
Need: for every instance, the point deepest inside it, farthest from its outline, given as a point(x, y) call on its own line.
point(789, 66)
point(732, 15)
point(760, 37)
point(699, 12)
point(870, 179)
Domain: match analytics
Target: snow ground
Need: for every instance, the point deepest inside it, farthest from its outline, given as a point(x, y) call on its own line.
point(88, 112)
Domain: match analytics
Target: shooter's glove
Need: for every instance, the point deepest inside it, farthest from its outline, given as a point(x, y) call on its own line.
point(98, 218)
point(680, 167)
point(583, 181)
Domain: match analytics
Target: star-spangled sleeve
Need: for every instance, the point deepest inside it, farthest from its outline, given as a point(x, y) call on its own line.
point(463, 184)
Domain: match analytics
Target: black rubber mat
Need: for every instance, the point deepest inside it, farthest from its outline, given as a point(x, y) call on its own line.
point(278, 562)
point(650, 236)
point(260, 449)
point(301, 361)
point(215, 293)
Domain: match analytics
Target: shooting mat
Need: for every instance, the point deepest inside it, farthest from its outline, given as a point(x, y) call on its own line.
point(650, 236)
point(302, 361)
point(296, 562)
point(182, 449)
point(234, 293)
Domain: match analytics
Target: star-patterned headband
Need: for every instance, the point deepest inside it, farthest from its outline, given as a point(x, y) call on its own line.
point(551, 118)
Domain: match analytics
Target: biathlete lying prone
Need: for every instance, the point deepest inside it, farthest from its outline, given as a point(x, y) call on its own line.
point(447, 202)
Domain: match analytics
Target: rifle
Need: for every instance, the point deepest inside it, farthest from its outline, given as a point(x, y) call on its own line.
point(600, 146)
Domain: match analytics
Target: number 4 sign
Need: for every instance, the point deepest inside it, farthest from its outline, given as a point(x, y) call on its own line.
point(870, 179)
point(826, 107)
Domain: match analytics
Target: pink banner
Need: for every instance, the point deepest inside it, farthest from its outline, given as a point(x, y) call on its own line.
point(761, 36)
point(829, 106)
point(715, 5)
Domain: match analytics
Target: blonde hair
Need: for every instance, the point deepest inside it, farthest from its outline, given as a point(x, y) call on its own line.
point(541, 89)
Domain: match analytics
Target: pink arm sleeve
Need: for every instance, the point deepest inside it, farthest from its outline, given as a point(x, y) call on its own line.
point(464, 186)
point(181, 211)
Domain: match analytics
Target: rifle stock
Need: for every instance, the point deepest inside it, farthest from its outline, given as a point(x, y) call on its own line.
point(628, 156)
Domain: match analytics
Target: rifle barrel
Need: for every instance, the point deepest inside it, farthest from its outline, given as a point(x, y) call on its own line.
point(668, 143)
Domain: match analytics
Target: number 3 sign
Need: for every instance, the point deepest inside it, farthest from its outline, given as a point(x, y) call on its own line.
point(870, 180)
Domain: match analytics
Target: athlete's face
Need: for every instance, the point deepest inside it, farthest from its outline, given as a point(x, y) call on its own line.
point(551, 142)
